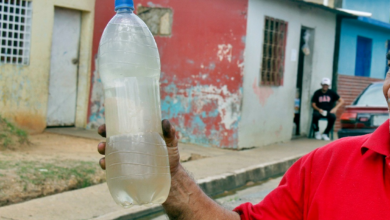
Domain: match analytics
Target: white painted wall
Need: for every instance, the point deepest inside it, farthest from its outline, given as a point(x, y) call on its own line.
point(24, 89)
point(267, 114)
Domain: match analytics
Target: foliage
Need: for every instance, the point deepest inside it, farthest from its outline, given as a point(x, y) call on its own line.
point(11, 136)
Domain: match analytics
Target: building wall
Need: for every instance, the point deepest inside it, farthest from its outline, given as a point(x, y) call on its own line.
point(350, 30)
point(267, 114)
point(24, 89)
point(202, 64)
point(349, 87)
point(380, 9)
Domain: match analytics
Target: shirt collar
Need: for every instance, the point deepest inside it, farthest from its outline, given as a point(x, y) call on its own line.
point(379, 141)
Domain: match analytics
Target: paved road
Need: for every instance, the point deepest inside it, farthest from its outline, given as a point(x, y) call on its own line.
point(252, 194)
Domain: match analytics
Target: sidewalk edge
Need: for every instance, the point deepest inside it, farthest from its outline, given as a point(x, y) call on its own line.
point(220, 183)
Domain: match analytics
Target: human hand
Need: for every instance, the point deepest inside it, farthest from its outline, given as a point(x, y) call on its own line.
point(171, 141)
point(333, 111)
point(320, 111)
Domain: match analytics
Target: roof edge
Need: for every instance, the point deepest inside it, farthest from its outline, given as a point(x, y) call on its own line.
point(374, 22)
point(325, 8)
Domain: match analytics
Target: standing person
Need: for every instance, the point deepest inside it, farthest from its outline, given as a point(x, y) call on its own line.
point(323, 103)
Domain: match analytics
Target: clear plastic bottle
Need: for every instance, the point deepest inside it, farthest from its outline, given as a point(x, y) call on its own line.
point(137, 161)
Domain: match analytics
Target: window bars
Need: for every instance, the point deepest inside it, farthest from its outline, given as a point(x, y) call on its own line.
point(274, 48)
point(15, 31)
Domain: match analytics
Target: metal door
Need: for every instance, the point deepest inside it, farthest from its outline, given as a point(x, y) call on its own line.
point(61, 109)
point(363, 56)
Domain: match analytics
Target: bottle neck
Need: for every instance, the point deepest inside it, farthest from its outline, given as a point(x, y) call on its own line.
point(124, 10)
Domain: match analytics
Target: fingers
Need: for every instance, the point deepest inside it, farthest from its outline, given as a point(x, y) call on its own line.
point(102, 130)
point(169, 133)
point(166, 126)
point(102, 163)
point(102, 148)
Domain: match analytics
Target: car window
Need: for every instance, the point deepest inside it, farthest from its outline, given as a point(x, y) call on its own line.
point(372, 96)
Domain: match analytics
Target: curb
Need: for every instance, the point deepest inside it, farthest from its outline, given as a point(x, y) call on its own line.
point(216, 185)
point(219, 184)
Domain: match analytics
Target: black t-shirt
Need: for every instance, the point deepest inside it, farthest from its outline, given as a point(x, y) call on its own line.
point(325, 101)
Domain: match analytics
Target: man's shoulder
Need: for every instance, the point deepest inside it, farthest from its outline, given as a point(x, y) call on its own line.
point(333, 92)
point(317, 91)
point(343, 147)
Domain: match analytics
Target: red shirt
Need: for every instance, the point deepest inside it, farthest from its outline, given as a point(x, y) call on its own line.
point(348, 179)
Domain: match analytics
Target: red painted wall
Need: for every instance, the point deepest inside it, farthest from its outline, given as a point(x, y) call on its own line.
point(202, 67)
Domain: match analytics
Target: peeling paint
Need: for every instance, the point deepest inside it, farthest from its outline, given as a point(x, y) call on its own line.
point(96, 118)
point(262, 92)
point(243, 39)
point(203, 110)
point(202, 77)
point(151, 4)
point(212, 66)
point(241, 66)
point(225, 51)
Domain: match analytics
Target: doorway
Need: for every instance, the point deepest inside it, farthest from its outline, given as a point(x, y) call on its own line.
point(61, 109)
point(363, 56)
point(302, 107)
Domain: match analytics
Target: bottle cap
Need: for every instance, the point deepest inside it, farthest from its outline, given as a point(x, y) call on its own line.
point(124, 4)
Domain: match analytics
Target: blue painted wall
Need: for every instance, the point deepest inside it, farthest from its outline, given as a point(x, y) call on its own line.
point(350, 30)
point(380, 9)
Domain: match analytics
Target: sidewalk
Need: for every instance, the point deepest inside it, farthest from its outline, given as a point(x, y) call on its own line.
point(215, 170)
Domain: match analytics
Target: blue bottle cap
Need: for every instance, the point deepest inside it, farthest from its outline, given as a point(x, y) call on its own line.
point(124, 4)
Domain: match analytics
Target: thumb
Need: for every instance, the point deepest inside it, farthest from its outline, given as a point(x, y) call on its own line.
point(169, 133)
point(388, 95)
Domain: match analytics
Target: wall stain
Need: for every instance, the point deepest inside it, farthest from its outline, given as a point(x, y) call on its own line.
point(96, 117)
point(262, 92)
point(33, 123)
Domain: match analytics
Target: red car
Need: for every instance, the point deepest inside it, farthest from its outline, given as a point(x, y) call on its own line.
point(366, 113)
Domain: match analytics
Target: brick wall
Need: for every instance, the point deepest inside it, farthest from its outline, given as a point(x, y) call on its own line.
point(349, 87)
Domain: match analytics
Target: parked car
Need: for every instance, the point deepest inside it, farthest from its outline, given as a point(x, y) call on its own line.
point(366, 113)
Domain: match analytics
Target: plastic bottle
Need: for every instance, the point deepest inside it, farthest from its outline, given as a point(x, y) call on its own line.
point(137, 164)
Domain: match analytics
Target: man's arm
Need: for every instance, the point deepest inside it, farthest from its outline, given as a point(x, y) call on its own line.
point(316, 108)
point(313, 102)
point(340, 102)
point(187, 201)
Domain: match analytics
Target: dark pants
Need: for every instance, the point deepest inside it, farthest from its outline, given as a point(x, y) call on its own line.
point(331, 120)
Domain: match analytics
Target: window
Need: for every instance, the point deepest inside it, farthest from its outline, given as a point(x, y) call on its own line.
point(363, 56)
point(15, 29)
point(274, 48)
point(372, 96)
point(158, 20)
